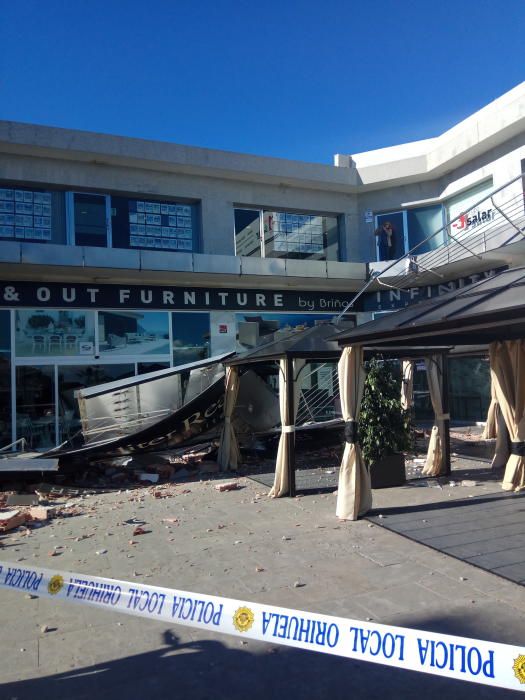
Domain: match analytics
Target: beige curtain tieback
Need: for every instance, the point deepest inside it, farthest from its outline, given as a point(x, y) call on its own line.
point(288, 429)
point(442, 416)
point(227, 420)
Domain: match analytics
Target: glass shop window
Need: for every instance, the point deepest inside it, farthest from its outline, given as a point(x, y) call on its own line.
point(279, 234)
point(32, 215)
point(248, 232)
point(54, 332)
point(133, 333)
point(191, 337)
point(423, 222)
point(91, 221)
point(152, 224)
point(35, 406)
point(5, 379)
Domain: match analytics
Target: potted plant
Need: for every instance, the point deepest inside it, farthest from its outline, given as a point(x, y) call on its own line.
point(384, 427)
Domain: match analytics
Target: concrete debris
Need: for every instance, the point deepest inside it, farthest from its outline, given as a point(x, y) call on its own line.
point(22, 499)
point(11, 520)
point(228, 486)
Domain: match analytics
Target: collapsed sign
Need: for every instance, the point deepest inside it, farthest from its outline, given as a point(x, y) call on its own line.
point(488, 663)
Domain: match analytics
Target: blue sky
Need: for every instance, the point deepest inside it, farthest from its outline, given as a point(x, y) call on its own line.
point(288, 78)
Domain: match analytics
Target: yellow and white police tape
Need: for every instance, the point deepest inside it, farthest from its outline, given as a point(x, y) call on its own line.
point(499, 665)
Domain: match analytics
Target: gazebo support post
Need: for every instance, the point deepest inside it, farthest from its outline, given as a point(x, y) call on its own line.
point(446, 407)
point(290, 420)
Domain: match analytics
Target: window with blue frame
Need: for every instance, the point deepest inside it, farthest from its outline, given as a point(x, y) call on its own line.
point(409, 228)
point(422, 223)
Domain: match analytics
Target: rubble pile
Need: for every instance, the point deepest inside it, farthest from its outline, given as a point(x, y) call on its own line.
point(25, 506)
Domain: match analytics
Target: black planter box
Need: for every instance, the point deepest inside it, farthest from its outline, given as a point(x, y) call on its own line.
point(389, 471)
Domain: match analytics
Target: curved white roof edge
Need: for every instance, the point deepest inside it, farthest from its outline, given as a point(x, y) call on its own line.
point(493, 124)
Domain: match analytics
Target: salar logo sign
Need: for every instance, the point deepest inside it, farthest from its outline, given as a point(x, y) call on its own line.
point(473, 219)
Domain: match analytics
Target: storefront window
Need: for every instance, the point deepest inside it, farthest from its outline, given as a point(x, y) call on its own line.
point(91, 221)
point(248, 232)
point(133, 333)
point(71, 378)
point(254, 330)
point(459, 209)
point(28, 214)
point(5, 379)
point(191, 337)
point(161, 225)
point(286, 235)
point(35, 406)
point(50, 332)
point(422, 223)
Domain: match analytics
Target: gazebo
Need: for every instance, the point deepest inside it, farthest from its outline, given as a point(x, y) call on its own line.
point(291, 352)
point(490, 312)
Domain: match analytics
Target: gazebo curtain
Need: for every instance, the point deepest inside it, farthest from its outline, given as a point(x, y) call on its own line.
point(407, 385)
point(489, 430)
point(495, 428)
point(281, 485)
point(434, 465)
point(502, 450)
point(354, 495)
point(229, 454)
point(507, 367)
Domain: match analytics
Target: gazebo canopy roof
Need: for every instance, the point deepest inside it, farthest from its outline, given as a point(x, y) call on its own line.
point(493, 309)
point(311, 343)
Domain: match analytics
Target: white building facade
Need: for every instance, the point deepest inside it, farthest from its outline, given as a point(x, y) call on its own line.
point(119, 256)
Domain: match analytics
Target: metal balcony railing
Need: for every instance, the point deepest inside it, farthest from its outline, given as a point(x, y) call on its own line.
point(504, 225)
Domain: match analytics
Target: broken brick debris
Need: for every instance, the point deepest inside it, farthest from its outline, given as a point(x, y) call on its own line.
point(228, 486)
point(11, 519)
point(41, 513)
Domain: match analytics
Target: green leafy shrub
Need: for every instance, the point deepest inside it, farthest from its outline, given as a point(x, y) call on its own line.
point(384, 427)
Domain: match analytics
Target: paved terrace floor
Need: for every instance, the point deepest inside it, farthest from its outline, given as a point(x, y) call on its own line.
point(244, 545)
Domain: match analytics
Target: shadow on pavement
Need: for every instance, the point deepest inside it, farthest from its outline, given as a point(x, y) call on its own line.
point(208, 670)
point(497, 497)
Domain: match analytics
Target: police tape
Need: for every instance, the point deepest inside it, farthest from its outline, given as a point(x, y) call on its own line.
point(498, 665)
